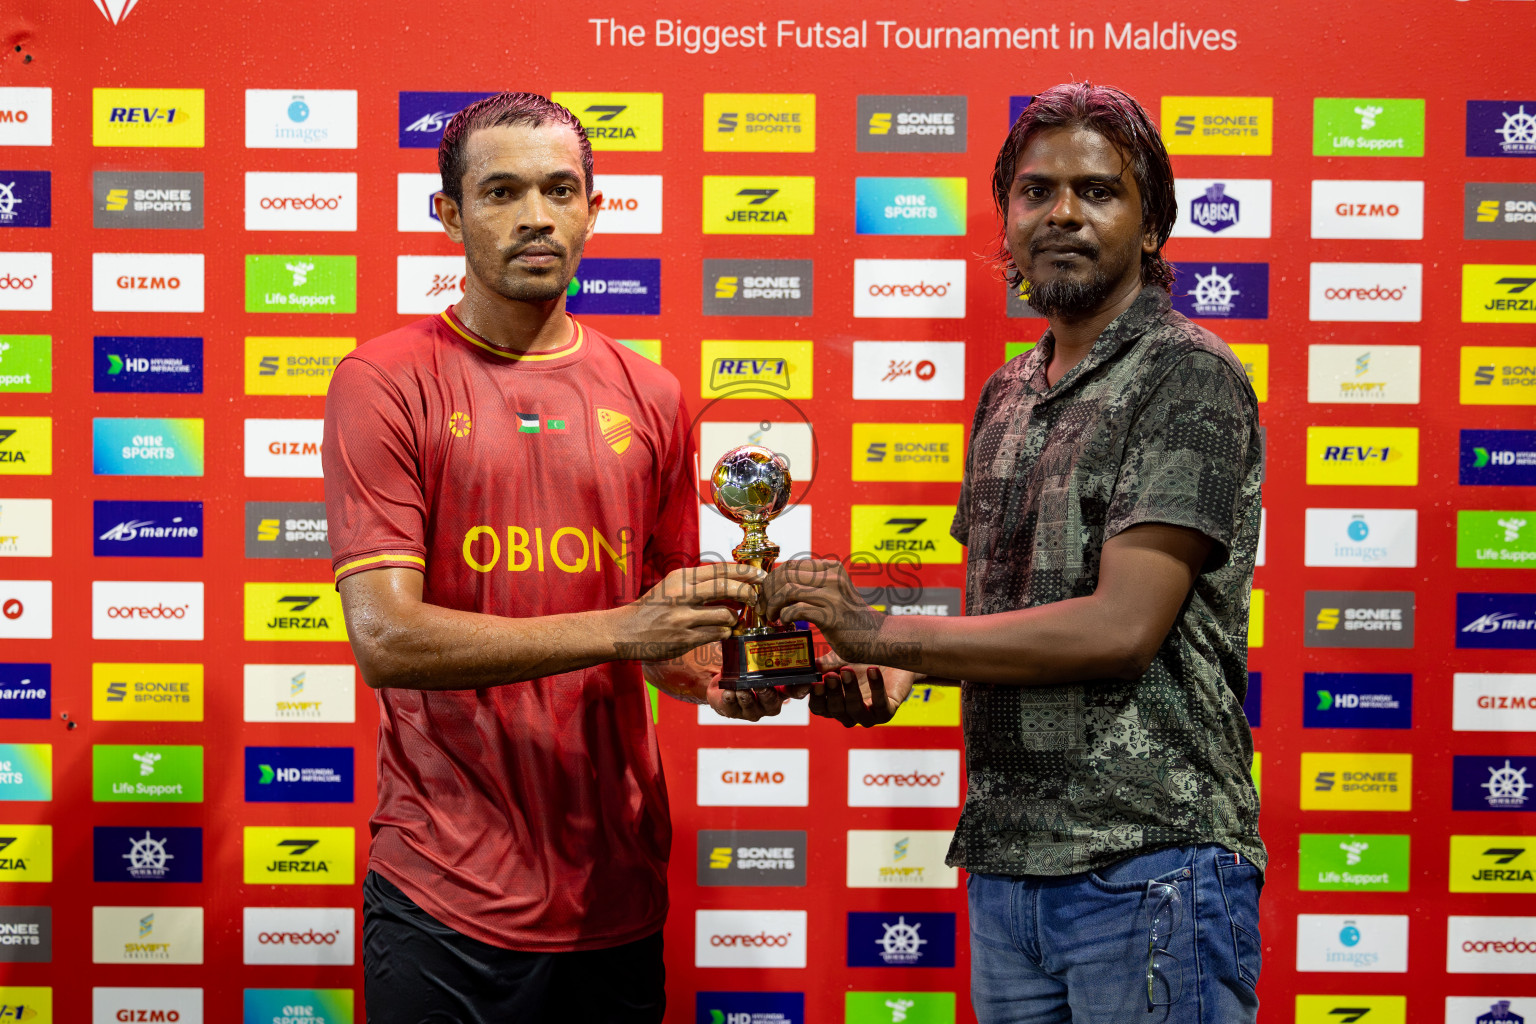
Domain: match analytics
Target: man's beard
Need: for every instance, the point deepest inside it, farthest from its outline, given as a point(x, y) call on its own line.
point(1070, 299)
point(493, 267)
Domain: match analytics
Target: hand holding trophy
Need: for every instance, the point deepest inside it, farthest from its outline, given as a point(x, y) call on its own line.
point(750, 485)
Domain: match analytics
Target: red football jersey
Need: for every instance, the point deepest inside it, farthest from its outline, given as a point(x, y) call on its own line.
point(534, 815)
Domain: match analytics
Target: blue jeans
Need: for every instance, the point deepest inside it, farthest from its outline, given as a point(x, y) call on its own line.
point(1076, 949)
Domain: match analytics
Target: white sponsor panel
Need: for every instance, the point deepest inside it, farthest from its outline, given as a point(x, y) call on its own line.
point(281, 201)
point(908, 371)
point(26, 280)
point(718, 535)
point(147, 282)
point(26, 116)
point(796, 712)
point(301, 119)
point(1494, 702)
point(900, 859)
point(26, 609)
point(1363, 538)
point(909, 288)
point(26, 527)
point(791, 439)
point(1261, 553)
point(1363, 374)
point(1366, 292)
point(749, 938)
point(300, 693)
point(903, 778)
point(300, 935)
point(753, 777)
point(1490, 945)
point(147, 935)
point(1352, 943)
point(283, 448)
point(1471, 1009)
point(414, 210)
point(1226, 207)
point(146, 610)
point(428, 284)
point(631, 204)
point(1367, 209)
point(178, 1005)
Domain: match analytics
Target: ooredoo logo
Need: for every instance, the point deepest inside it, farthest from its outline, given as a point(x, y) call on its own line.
point(26, 280)
point(1370, 292)
point(11, 282)
point(909, 779)
point(309, 937)
point(749, 938)
point(159, 611)
point(1490, 945)
point(300, 202)
point(903, 778)
point(736, 777)
point(135, 610)
point(299, 935)
point(749, 941)
point(1375, 293)
point(909, 288)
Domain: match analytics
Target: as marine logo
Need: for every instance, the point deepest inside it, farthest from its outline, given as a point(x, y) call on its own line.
point(615, 428)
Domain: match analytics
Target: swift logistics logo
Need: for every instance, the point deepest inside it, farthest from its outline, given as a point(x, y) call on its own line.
point(759, 205)
point(26, 527)
point(1501, 457)
point(26, 853)
point(1367, 209)
point(781, 368)
point(1352, 863)
point(300, 284)
point(293, 611)
point(1367, 127)
point(907, 534)
point(26, 609)
point(146, 773)
point(751, 857)
point(746, 777)
point(749, 1008)
point(26, 199)
point(1490, 945)
point(1228, 291)
point(1498, 375)
point(911, 124)
point(899, 859)
point(1496, 621)
point(26, 116)
point(284, 201)
point(1227, 125)
point(26, 690)
point(286, 529)
point(147, 854)
point(1496, 539)
point(26, 363)
point(901, 939)
point(909, 206)
point(1356, 782)
point(1363, 456)
point(298, 775)
point(283, 448)
point(299, 855)
point(908, 451)
point(1223, 207)
point(758, 287)
point(147, 529)
point(909, 370)
point(631, 203)
point(1357, 700)
point(1493, 864)
point(1494, 702)
point(144, 692)
point(300, 935)
point(1363, 374)
point(754, 122)
point(1498, 293)
point(298, 1005)
point(301, 119)
point(147, 199)
point(300, 693)
point(1352, 1009)
point(909, 289)
point(1503, 210)
point(147, 117)
point(147, 447)
point(622, 121)
point(26, 771)
point(292, 366)
point(1492, 783)
point(749, 938)
point(137, 935)
point(1358, 943)
point(165, 366)
point(136, 282)
point(1366, 292)
point(26, 445)
point(424, 115)
point(1364, 538)
point(904, 778)
point(146, 610)
point(618, 287)
point(1501, 128)
point(1359, 618)
point(26, 937)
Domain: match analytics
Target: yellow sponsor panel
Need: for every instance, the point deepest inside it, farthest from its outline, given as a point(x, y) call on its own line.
point(762, 368)
point(293, 611)
point(27, 1004)
point(1356, 782)
point(1258, 772)
point(1255, 360)
point(146, 692)
point(617, 120)
point(929, 705)
point(147, 117)
point(915, 534)
point(762, 204)
point(759, 122)
point(26, 445)
point(1363, 456)
point(1498, 293)
point(1498, 375)
point(1493, 863)
point(909, 451)
point(292, 366)
point(1341, 1009)
point(298, 855)
point(1256, 619)
point(26, 853)
point(1230, 125)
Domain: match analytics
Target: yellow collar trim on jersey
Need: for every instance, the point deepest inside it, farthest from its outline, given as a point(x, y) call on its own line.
point(579, 337)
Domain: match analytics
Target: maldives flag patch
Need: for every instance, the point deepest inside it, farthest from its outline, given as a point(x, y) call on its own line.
point(615, 428)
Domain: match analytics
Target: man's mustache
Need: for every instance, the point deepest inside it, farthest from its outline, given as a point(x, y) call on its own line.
point(547, 244)
point(1063, 244)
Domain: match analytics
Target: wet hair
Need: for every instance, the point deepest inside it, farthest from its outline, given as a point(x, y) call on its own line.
point(508, 108)
point(1125, 123)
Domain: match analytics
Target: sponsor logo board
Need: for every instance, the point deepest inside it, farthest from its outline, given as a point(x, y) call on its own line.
point(1494, 702)
point(750, 857)
point(26, 853)
point(1351, 1009)
point(147, 854)
point(26, 771)
point(1484, 540)
point(1367, 127)
point(909, 371)
point(26, 690)
point(747, 777)
point(910, 534)
point(631, 204)
point(911, 124)
point(909, 206)
point(1363, 374)
point(1490, 945)
point(146, 610)
point(793, 439)
point(899, 859)
point(1501, 128)
point(148, 365)
point(931, 289)
point(26, 199)
point(1498, 375)
point(1500, 457)
point(298, 1006)
point(1367, 209)
point(1496, 621)
point(908, 451)
point(299, 855)
point(1357, 700)
point(1498, 293)
point(1358, 618)
point(759, 205)
point(1363, 456)
point(1499, 210)
point(428, 284)
point(286, 529)
point(300, 284)
point(146, 529)
point(1253, 700)
point(758, 287)
point(749, 1007)
point(148, 773)
point(1357, 943)
point(26, 445)
point(1356, 782)
point(625, 121)
point(26, 935)
point(300, 693)
point(291, 201)
point(1482, 782)
point(1232, 291)
point(1255, 363)
point(147, 199)
point(140, 935)
point(131, 282)
point(1335, 862)
point(1366, 292)
point(178, 1005)
point(26, 363)
point(146, 692)
point(615, 287)
point(27, 1002)
point(1223, 207)
point(292, 366)
point(26, 527)
point(147, 447)
point(424, 115)
point(910, 939)
point(301, 119)
point(26, 116)
point(750, 122)
point(903, 778)
point(283, 448)
point(293, 611)
point(749, 938)
point(1367, 538)
point(148, 117)
point(782, 368)
point(1229, 125)
point(26, 609)
point(1493, 864)
point(907, 1007)
point(299, 935)
point(298, 775)
point(1488, 1010)
point(26, 280)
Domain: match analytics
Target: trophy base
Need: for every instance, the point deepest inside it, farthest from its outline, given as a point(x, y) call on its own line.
point(780, 658)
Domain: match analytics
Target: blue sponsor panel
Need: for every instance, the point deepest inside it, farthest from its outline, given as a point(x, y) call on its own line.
point(298, 775)
point(1502, 622)
point(164, 366)
point(26, 199)
point(1501, 127)
point(1499, 457)
point(909, 206)
point(26, 689)
point(1253, 700)
point(901, 939)
point(424, 115)
point(1016, 105)
point(615, 287)
point(151, 853)
point(1357, 700)
point(1497, 783)
point(147, 529)
point(749, 1008)
point(1224, 291)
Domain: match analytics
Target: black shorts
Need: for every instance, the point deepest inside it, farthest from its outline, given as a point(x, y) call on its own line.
point(417, 970)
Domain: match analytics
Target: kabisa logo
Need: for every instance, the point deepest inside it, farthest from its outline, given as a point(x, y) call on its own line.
point(147, 117)
point(901, 940)
point(1482, 1010)
point(26, 116)
point(759, 205)
point(26, 690)
point(142, 854)
point(1492, 864)
point(1233, 125)
point(911, 124)
point(629, 121)
point(424, 115)
point(1498, 293)
point(1224, 207)
point(147, 447)
point(307, 119)
point(739, 122)
point(299, 855)
point(1501, 128)
point(1367, 127)
point(1357, 700)
point(25, 199)
point(767, 367)
point(1215, 210)
point(147, 199)
point(298, 775)
point(1226, 290)
point(758, 287)
point(155, 529)
point(148, 365)
point(1492, 783)
point(1496, 621)
point(616, 286)
point(909, 206)
point(1503, 211)
point(1498, 457)
point(293, 611)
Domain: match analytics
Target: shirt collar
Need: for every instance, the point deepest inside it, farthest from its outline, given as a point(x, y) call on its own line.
point(1145, 312)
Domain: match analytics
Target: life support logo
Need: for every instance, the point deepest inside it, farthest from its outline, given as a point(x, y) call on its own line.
point(749, 938)
point(903, 778)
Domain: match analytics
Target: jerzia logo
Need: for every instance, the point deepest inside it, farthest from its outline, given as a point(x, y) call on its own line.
point(274, 855)
point(629, 121)
point(759, 205)
point(292, 611)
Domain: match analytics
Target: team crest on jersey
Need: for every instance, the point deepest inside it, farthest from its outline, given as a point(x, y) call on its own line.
point(458, 424)
point(615, 428)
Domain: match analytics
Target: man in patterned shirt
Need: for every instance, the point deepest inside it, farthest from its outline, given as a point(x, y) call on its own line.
point(1110, 507)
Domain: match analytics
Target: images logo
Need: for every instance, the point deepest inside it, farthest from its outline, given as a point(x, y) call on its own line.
point(1496, 621)
point(910, 206)
point(1353, 863)
point(300, 693)
point(147, 117)
point(1232, 125)
point(1356, 782)
point(1368, 209)
point(148, 365)
point(26, 690)
point(629, 121)
point(424, 115)
point(905, 859)
point(26, 199)
point(901, 940)
point(744, 777)
point(298, 775)
point(1367, 127)
point(26, 937)
point(909, 370)
point(617, 287)
point(1225, 290)
point(307, 119)
point(283, 448)
point(1501, 128)
point(134, 282)
point(147, 447)
point(128, 692)
point(1374, 456)
point(299, 855)
point(768, 367)
point(749, 122)
point(292, 366)
point(1360, 943)
point(142, 854)
point(1362, 538)
point(759, 205)
point(301, 284)
point(908, 451)
point(909, 288)
point(1357, 700)
point(276, 201)
point(26, 116)
point(758, 287)
point(903, 778)
point(149, 773)
point(911, 124)
point(749, 938)
point(293, 611)
point(1226, 207)
point(147, 199)
point(1359, 618)
point(732, 857)
point(1498, 293)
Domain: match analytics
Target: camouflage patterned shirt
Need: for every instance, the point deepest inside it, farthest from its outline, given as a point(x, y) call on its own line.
point(1157, 424)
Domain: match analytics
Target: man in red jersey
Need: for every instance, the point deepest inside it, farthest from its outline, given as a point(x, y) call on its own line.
point(513, 509)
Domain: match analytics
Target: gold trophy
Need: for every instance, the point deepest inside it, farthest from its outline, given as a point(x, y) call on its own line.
point(750, 486)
